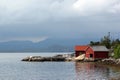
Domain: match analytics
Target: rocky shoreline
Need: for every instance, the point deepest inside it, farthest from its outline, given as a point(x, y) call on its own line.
point(110, 61)
point(107, 61)
point(42, 59)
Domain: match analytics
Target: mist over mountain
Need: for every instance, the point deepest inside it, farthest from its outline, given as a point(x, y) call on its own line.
point(49, 45)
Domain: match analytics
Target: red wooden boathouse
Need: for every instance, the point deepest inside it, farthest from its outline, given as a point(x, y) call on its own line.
point(94, 52)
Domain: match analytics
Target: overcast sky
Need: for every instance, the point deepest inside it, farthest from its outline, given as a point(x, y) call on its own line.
point(37, 20)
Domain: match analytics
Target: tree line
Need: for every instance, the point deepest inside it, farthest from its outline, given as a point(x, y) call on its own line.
point(110, 44)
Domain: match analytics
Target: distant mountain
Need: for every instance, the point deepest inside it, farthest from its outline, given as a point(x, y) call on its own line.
point(49, 45)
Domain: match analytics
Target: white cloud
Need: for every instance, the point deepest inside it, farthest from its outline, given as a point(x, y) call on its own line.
point(36, 11)
point(88, 7)
point(115, 9)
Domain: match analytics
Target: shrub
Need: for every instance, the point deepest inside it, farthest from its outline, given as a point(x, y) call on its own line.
point(117, 51)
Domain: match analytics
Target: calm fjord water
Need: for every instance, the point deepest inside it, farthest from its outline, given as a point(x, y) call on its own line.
point(12, 68)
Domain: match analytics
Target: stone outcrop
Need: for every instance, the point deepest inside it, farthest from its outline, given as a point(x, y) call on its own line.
point(111, 61)
point(41, 59)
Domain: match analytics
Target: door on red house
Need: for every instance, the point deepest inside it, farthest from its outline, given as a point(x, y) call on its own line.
point(91, 55)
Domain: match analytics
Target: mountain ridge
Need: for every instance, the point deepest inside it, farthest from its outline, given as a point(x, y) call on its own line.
point(49, 45)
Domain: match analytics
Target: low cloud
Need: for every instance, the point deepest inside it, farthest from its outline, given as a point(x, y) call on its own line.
point(33, 39)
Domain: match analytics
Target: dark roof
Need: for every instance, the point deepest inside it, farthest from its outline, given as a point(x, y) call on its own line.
point(99, 48)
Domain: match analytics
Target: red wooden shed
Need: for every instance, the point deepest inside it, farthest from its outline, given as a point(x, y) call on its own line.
point(94, 52)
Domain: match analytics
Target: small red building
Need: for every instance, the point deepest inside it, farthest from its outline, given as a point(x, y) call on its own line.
point(94, 52)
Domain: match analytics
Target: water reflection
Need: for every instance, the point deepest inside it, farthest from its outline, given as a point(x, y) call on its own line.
point(91, 71)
